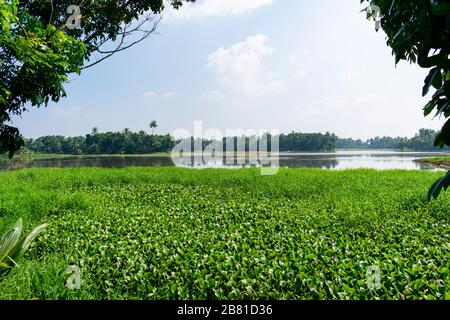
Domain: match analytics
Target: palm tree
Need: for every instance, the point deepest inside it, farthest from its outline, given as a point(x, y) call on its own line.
point(94, 130)
point(153, 125)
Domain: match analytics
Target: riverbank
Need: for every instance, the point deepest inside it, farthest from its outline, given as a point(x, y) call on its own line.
point(172, 233)
point(443, 162)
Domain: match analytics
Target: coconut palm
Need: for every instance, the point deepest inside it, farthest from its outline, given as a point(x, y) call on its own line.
point(13, 246)
point(153, 125)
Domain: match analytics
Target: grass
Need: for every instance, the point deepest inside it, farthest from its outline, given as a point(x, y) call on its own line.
point(171, 233)
point(443, 162)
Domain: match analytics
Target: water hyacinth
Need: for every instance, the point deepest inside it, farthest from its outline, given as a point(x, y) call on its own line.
point(172, 233)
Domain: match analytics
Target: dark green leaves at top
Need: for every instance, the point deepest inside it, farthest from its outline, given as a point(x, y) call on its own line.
point(418, 31)
point(10, 139)
point(434, 79)
point(38, 51)
point(443, 135)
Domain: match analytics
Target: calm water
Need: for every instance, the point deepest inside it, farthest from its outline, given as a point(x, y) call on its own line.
point(339, 160)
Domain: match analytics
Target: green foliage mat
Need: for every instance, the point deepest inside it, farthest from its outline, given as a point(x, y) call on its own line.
point(170, 233)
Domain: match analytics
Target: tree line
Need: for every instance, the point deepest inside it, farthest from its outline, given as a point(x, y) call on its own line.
point(129, 142)
point(124, 142)
point(424, 140)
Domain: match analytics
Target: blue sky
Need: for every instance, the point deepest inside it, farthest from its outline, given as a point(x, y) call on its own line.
point(310, 66)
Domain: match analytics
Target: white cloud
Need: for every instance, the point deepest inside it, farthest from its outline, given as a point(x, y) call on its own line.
point(213, 8)
point(149, 94)
point(152, 94)
point(297, 66)
point(301, 73)
point(241, 67)
point(212, 95)
point(168, 95)
point(352, 70)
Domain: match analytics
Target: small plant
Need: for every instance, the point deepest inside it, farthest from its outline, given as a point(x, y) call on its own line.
point(13, 246)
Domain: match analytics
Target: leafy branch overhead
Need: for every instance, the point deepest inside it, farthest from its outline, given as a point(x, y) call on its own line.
point(418, 31)
point(38, 50)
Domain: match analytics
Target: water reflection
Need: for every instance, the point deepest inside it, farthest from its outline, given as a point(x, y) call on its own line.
point(77, 162)
point(381, 160)
point(338, 161)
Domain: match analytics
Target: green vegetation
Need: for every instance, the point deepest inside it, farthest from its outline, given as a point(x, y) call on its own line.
point(141, 143)
point(171, 233)
point(128, 142)
point(439, 161)
point(13, 246)
point(153, 125)
point(418, 32)
point(124, 142)
point(374, 143)
point(42, 42)
point(36, 59)
point(422, 141)
point(310, 142)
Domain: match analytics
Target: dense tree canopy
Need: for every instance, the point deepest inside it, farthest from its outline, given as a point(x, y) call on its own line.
point(311, 142)
point(418, 31)
point(128, 142)
point(125, 142)
point(373, 143)
point(422, 141)
point(42, 42)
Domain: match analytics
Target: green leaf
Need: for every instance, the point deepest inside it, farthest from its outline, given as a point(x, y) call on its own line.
point(429, 107)
point(436, 188)
point(434, 79)
point(13, 246)
point(443, 137)
point(10, 239)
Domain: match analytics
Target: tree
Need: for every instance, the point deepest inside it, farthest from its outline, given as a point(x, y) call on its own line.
point(153, 125)
point(418, 31)
point(422, 141)
point(42, 42)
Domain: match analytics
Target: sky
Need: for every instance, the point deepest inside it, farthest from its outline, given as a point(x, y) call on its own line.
point(287, 65)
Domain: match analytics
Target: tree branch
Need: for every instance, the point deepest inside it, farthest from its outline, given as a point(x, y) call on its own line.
point(122, 44)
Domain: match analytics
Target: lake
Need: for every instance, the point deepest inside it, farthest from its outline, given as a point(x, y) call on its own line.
point(375, 159)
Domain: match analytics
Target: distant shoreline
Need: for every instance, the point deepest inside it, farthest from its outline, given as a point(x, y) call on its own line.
point(442, 162)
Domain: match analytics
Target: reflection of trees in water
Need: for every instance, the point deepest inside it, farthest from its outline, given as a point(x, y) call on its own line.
point(104, 162)
point(7, 164)
point(290, 161)
point(424, 166)
point(309, 162)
